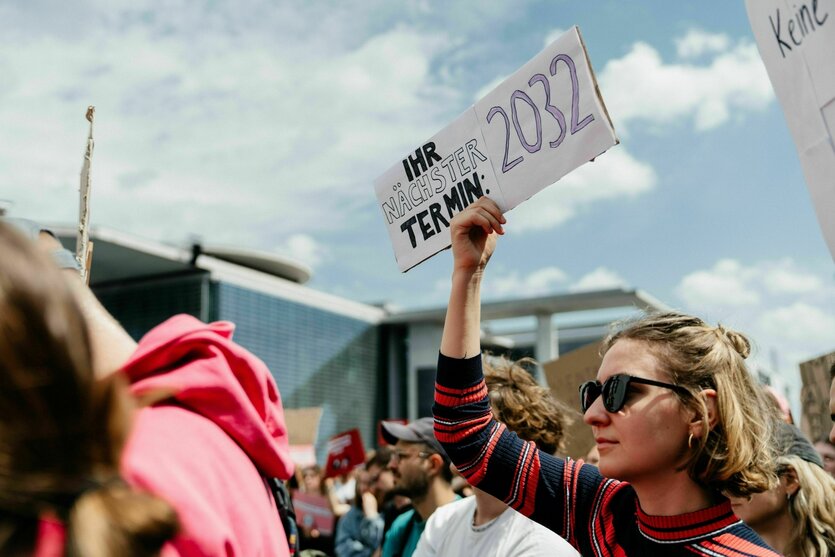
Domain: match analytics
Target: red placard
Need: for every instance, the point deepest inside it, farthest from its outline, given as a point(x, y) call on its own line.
point(313, 511)
point(345, 452)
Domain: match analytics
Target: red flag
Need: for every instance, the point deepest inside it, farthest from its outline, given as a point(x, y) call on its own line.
point(345, 452)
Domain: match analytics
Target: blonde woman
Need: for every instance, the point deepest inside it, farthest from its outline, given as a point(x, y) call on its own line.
point(677, 419)
point(797, 516)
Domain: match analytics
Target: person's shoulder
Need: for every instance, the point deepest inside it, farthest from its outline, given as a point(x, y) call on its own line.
point(461, 505)
point(396, 532)
point(451, 512)
point(535, 540)
point(401, 521)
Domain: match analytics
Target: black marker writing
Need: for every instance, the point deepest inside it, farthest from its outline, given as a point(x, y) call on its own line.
point(802, 23)
point(429, 221)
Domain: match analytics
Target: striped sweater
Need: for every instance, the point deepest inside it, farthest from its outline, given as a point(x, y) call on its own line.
point(597, 515)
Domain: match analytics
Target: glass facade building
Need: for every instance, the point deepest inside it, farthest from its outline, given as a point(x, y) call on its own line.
point(318, 358)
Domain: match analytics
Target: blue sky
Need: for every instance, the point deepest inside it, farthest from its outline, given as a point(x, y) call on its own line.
point(264, 124)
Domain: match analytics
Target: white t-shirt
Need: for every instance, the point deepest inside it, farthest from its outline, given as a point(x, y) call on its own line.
point(450, 533)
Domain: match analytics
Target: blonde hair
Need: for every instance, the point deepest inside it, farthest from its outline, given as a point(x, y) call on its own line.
point(61, 429)
point(735, 456)
point(523, 405)
point(812, 508)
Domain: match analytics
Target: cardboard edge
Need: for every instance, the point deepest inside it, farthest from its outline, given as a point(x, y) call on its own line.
point(597, 94)
point(413, 265)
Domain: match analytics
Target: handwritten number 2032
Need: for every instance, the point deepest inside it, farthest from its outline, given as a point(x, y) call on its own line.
point(576, 123)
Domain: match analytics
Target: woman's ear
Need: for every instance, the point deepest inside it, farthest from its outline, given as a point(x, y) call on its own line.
point(791, 481)
point(708, 399)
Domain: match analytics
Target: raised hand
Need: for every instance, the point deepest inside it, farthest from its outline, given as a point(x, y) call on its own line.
point(473, 234)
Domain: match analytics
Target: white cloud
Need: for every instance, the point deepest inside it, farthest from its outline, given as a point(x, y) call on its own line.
point(615, 174)
point(785, 309)
point(543, 281)
point(731, 284)
point(785, 278)
point(197, 124)
point(728, 283)
point(697, 42)
point(641, 87)
point(800, 323)
point(304, 248)
point(517, 285)
point(599, 279)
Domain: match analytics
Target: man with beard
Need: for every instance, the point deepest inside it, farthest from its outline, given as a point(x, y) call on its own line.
point(832, 402)
point(422, 473)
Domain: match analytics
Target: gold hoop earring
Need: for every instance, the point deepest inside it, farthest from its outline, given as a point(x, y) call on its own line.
point(690, 441)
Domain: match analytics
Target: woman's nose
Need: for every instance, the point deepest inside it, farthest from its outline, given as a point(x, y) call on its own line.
point(596, 415)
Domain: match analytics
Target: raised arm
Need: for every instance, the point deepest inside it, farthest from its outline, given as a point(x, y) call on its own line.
point(552, 491)
point(473, 234)
point(112, 346)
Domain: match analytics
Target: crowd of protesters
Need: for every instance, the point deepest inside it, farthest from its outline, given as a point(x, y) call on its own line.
point(176, 445)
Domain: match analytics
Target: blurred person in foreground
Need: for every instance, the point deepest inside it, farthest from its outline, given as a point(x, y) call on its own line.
point(421, 472)
point(62, 430)
point(797, 516)
point(483, 525)
point(832, 402)
point(208, 430)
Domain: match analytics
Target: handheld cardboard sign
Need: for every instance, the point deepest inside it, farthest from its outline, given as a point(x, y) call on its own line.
point(796, 41)
point(313, 512)
point(538, 125)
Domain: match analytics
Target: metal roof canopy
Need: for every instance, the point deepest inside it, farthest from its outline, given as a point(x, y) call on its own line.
point(544, 305)
point(121, 257)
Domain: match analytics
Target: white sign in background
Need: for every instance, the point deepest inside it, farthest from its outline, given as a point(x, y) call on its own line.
point(796, 41)
point(534, 128)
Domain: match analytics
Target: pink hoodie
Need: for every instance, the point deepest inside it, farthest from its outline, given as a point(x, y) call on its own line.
point(205, 451)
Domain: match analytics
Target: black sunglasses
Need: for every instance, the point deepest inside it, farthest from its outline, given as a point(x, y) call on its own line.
point(614, 391)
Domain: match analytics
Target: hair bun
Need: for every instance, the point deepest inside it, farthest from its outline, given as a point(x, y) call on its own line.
point(738, 341)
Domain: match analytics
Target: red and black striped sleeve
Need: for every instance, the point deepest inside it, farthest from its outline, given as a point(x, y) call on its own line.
point(560, 494)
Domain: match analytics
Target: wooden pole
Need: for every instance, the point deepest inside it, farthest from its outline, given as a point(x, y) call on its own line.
point(83, 251)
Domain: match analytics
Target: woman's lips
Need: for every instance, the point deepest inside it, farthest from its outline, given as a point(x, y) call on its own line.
point(603, 444)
